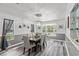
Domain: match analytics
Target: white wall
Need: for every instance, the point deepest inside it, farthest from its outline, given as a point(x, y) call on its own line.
point(1, 26)
point(17, 21)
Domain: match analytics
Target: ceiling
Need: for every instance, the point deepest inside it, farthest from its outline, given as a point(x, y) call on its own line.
point(28, 11)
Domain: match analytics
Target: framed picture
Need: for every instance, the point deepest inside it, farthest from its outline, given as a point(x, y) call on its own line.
point(28, 27)
point(24, 25)
point(20, 26)
point(61, 26)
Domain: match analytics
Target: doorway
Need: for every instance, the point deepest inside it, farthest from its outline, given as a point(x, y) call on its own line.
point(7, 35)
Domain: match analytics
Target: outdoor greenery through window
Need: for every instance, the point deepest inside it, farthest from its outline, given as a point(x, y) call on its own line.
point(49, 28)
point(44, 29)
point(10, 33)
point(9, 36)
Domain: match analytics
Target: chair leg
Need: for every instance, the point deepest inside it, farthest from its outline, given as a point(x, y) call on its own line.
point(33, 49)
point(29, 52)
point(24, 51)
point(45, 43)
point(43, 46)
point(40, 48)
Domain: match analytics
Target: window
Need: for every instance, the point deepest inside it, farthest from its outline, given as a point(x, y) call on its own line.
point(49, 28)
point(44, 29)
point(9, 36)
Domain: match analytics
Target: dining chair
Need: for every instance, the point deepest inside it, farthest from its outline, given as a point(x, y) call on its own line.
point(27, 45)
point(45, 38)
point(43, 42)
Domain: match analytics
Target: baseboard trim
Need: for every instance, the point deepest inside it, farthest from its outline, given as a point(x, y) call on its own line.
point(15, 45)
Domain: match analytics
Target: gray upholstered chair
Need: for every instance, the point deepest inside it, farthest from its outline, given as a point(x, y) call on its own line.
point(27, 45)
point(45, 38)
point(43, 42)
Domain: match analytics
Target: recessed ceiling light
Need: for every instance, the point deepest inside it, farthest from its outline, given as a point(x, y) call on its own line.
point(38, 15)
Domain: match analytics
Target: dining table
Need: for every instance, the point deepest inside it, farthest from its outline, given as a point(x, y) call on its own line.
point(35, 41)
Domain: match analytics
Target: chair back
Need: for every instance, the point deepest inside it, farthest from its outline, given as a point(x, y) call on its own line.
point(26, 42)
point(45, 37)
point(42, 39)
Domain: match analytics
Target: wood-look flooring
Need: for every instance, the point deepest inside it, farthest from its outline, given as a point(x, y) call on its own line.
point(53, 48)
